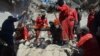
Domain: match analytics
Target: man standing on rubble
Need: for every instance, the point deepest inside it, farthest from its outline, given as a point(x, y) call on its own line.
point(41, 22)
point(7, 31)
point(72, 21)
point(63, 8)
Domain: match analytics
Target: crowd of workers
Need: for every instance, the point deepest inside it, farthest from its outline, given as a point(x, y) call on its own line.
point(62, 29)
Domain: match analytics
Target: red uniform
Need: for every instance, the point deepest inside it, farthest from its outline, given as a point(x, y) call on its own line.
point(73, 12)
point(70, 27)
point(40, 23)
point(63, 20)
point(89, 45)
point(72, 19)
point(90, 21)
point(25, 33)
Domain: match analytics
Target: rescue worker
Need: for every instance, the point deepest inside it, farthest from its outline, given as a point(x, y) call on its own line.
point(41, 22)
point(72, 20)
point(22, 32)
point(63, 9)
point(25, 33)
point(91, 19)
point(88, 43)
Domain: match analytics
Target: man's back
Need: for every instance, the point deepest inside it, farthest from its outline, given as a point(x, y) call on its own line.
point(7, 27)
